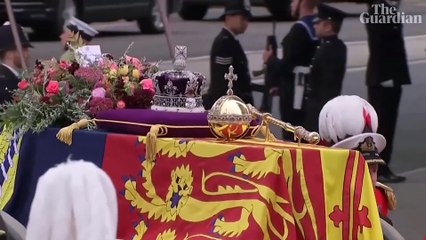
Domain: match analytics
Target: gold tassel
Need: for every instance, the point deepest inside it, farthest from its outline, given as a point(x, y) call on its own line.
point(263, 128)
point(151, 141)
point(269, 136)
point(65, 134)
point(391, 200)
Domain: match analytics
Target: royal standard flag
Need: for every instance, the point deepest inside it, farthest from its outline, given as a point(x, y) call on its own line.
point(206, 189)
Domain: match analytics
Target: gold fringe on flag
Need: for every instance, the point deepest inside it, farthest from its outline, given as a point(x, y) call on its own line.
point(65, 134)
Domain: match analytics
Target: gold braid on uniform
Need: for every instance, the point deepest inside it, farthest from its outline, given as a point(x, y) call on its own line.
point(389, 195)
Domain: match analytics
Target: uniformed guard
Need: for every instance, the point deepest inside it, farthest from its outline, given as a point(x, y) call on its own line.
point(11, 65)
point(328, 65)
point(350, 122)
point(226, 51)
point(387, 72)
point(73, 27)
point(290, 72)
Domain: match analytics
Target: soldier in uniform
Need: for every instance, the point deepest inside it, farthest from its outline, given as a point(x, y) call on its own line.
point(74, 26)
point(227, 51)
point(288, 73)
point(11, 65)
point(328, 65)
point(350, 122)
point(387, 71)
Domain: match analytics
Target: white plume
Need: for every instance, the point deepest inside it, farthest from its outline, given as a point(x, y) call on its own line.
point(346, 116)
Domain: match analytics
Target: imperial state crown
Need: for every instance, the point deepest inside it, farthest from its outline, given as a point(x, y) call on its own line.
point(178, 90)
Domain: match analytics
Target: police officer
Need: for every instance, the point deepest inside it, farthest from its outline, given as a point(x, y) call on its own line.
point(74, 26)
point(328, 65)
point(387, 71)
point(11, 65)
point(288, 73)
point(227, 51)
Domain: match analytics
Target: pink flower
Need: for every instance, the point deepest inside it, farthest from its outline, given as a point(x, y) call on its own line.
point(98, 92)
point(23, 84)
point(121, 104)
point(108, 64)
point(39, 80)
point(91, 75)
point(134, 61)
point(113, 65)
point(132, 88)
point(52, 87)
point(63, 65)
point(51, 73)
point(125, 79)
point(147, 84)
point(97, 105)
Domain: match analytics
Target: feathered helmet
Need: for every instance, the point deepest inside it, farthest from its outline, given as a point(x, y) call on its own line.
point(351, 122)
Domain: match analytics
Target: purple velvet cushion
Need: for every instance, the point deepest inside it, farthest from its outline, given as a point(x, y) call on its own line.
point(191, 124)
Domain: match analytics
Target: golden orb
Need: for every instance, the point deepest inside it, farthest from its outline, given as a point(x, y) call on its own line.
point(229, 118)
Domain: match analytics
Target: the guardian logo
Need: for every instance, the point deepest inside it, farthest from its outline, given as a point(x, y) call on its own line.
point(385, 14)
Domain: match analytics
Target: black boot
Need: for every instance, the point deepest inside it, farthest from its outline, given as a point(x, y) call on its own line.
point(387, 176)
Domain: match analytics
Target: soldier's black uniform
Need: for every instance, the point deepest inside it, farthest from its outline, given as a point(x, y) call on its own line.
point(227, 51)
point(387, 71)
point(8, 79)
point(327, 71)
point(8, 82)
point(299, 47)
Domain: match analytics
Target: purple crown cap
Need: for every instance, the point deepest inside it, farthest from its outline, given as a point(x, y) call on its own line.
point(178, 89)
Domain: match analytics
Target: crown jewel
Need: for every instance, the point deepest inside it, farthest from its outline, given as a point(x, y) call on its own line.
point(178, 90)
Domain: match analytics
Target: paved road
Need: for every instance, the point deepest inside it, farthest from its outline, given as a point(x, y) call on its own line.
point(198, 35)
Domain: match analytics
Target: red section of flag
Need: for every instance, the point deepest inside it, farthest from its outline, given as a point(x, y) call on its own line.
point(123, 159)
point(314, 182)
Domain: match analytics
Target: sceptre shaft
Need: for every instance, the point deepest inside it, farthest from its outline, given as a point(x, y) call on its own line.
point(163, 14)
point(14, 28)
point(298, 131)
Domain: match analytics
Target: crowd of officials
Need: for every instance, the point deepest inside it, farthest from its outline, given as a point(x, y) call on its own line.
point(313, 65)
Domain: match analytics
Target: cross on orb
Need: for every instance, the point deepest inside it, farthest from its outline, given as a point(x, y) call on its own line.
point(231, 77)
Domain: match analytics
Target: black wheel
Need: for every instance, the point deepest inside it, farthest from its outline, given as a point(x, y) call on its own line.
point(280, 9)
point(51, 30)
point(193, 11)
point(152, 24)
